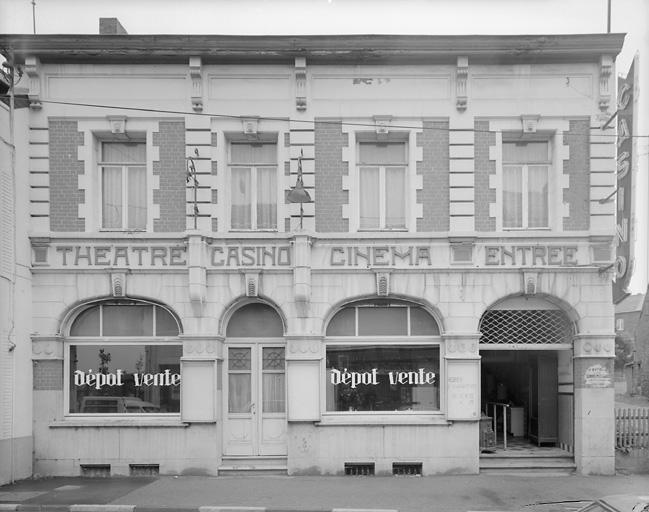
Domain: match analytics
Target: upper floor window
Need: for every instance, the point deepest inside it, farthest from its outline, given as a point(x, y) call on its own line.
point(253, 185)
point(382, 172)
point(123, 185)
point(526, 167)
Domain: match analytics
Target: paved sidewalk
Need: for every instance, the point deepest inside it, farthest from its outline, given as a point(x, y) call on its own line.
point(535, 493)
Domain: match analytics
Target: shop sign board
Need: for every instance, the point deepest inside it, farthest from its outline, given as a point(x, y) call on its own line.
point(176, 254)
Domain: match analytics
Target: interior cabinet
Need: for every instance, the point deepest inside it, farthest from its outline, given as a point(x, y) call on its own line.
point(543, 399)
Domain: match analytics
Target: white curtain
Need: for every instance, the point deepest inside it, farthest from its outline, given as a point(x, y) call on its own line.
point(395, 197)
point(239, 392)
point(273, 392)
point(512, 196)
point(266, 198)
point(111, 197)
point(537, 202)
point(370, 199)
point(124, 153)
point(241, 205)
point(137, 198)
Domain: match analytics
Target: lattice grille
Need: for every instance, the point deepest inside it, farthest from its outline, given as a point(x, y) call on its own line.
point(525, 327)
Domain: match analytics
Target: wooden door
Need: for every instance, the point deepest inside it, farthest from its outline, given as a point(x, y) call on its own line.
point(255, 408)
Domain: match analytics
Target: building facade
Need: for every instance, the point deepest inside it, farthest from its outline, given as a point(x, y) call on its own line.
point(455, 253)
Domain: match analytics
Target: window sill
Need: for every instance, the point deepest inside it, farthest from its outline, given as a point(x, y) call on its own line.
point(271, 230)
point(527, 229)
point(138, 422)
point(384, 230)
point(380, 419)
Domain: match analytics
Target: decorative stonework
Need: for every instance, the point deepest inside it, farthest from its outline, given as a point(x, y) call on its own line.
point(349, 159)
point(118, 284)
point(197, 272)
point(530, 123)
point(304, 348)
point(196, 76)
point(302, 268)
point(594, 345)
point(462, 73)
point(382, 126)
point(47, 347)
point(251, 281)
point(39, 251)
point(382, 283)
point(32, 68)
point(201, 346)
point(300, 83)
point(605, 70)
point(530, 283)
point(461, 345)
point(117, 124)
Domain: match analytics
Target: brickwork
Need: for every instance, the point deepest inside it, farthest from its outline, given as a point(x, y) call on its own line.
point(65, 168)
point(329, 170)
point(48, 375)
point(435, 169)
point(483, 168)
point(171, 169)
point(577, 167)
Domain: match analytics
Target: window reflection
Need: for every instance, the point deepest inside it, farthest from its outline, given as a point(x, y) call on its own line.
point(405, 378)
point(121, 379)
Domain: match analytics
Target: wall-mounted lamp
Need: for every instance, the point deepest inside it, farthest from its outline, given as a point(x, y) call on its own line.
point(298, 193)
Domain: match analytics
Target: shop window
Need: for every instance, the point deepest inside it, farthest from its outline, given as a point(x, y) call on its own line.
point(382, 356)
point(122, 168)
point(253, 186)
point(382, 378)
point(123, 358)
point(382, 179)
point(526, 168)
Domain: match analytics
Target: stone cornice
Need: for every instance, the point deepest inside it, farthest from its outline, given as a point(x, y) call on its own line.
point(367, 49)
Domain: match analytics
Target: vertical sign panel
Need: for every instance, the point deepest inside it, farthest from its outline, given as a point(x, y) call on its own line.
point(625, 132)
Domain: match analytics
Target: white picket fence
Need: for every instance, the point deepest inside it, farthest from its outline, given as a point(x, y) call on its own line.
point(632, 427)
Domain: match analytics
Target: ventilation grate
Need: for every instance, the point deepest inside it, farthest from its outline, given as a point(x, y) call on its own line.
point(95, 470)
point(407, 468)
point(525, 327)
point(359, 468)
point(144, 469)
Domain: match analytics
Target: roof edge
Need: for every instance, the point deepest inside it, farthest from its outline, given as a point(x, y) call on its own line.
point(348, 47)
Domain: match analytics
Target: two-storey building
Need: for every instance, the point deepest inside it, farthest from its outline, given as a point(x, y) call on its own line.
point(453, 257)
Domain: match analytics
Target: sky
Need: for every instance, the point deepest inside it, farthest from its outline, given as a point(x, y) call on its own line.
point(363, 17)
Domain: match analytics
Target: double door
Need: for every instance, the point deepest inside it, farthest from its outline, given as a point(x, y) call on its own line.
point(255, 399)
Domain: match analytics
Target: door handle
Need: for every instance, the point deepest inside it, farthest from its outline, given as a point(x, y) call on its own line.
point(252, 408)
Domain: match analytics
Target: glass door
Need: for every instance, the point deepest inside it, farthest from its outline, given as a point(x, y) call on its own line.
point(255, 407)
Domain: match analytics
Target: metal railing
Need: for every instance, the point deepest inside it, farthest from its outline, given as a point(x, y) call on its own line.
point(494, 415)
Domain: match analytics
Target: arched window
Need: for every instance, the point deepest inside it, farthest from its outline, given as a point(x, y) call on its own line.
point(123, 358)
point(382, 355)
point(255, 320)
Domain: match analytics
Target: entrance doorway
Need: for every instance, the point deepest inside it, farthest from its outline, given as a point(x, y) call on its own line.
point(527, 370)
point(255, 416)
point(254, 384)
point(521, 387)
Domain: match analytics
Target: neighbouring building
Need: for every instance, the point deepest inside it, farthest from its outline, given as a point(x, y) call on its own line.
point(16, 442)
point(187, 316)
point(641, 346)
point(627, 360)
